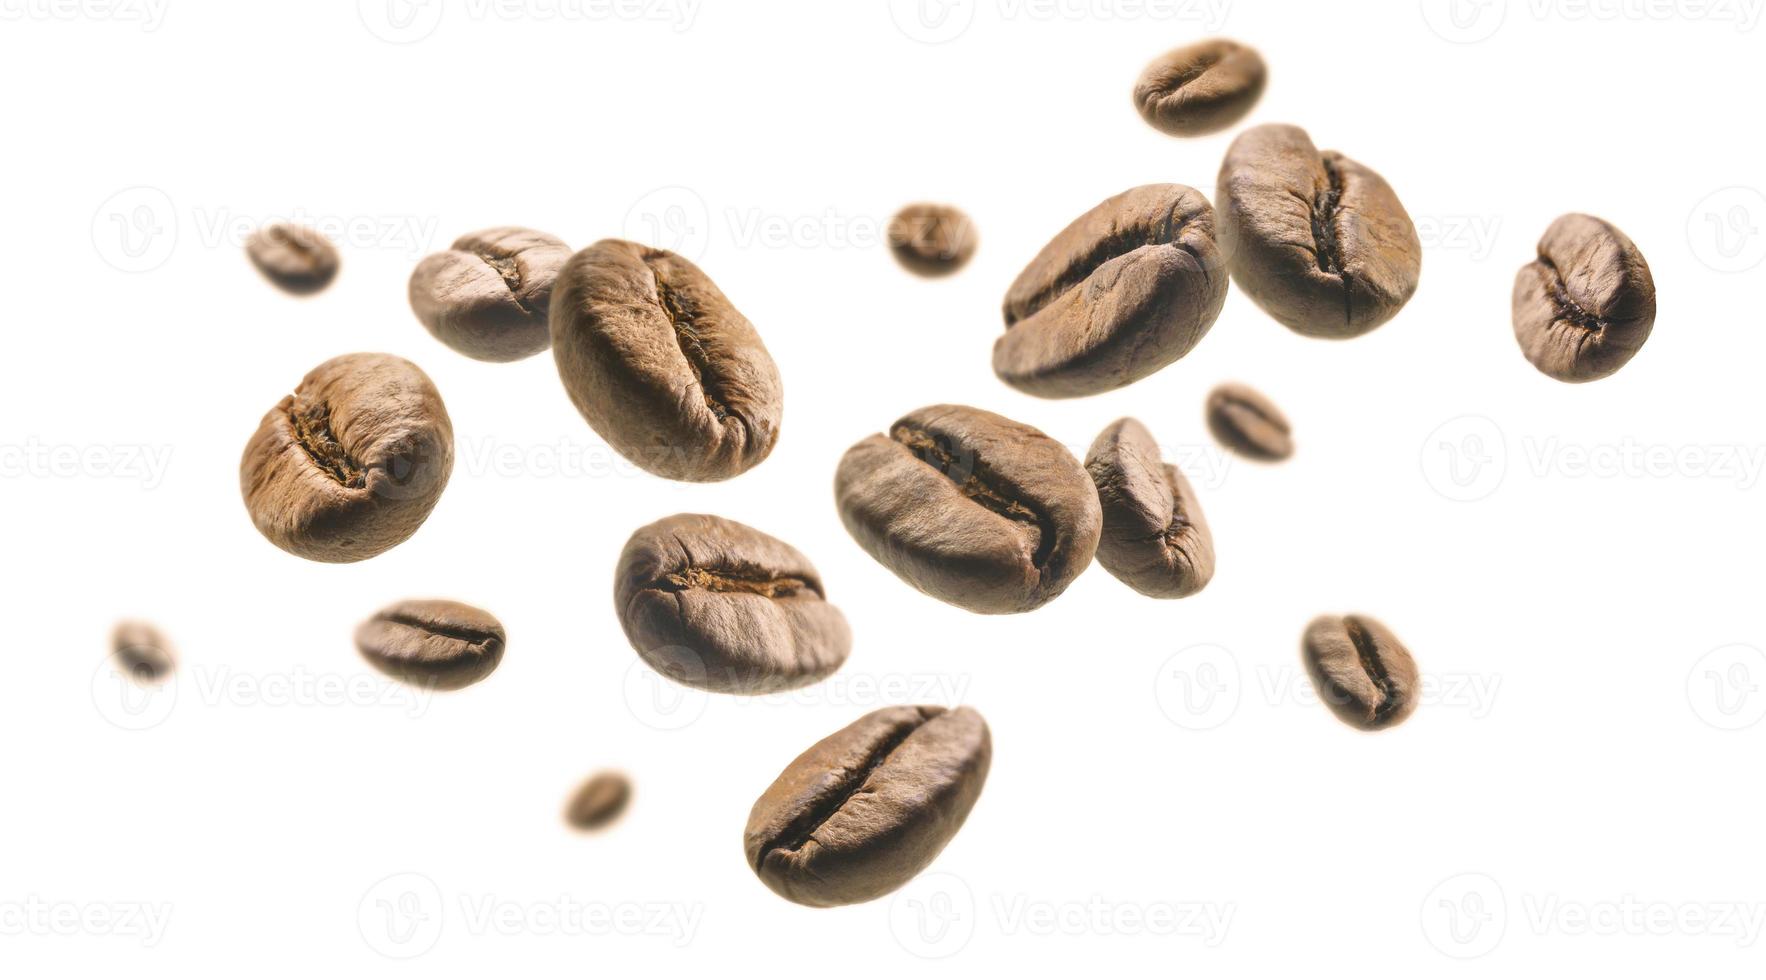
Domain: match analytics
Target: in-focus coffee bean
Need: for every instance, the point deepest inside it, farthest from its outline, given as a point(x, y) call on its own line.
point(1587, 303)
point(662, 365)
point(1366, 677)
point(971, 508)
point(1200, 88)
point(600, 800)
point(1319, 241)
point(1127, 288)
point(142, 651)
point(1154, 538)
point(488, 296)
point(1249, 424)
point(720, 606)
point(932, 239)
point(870, 806)
point(298, 260)
point(433, 643)
point(352, 462)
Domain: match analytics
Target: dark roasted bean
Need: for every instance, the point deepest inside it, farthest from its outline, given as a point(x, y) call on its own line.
point(1587, 303)
point(433, 643)
point(1365, 676)
point(488, 296)
point(1154, 538)
point(932, 239)
point(1200, 88)
point(1249, 424)
point(298, 260)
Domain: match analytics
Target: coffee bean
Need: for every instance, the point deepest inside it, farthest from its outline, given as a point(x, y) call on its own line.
point(487, 296)
point(720, 606)
point(1249, 424)
point(870, 806)
point(1587, 303)
point(352, 462)
point(662, 365)
point(1319, 241)
point(1154, 538)
point(142, 651)
point(932, 239)
point(971, 508)
point(433, 643)
point(1127, 288)
point(1361, 671)
point(298, 260)
point(1200, 88)
point(599, 801)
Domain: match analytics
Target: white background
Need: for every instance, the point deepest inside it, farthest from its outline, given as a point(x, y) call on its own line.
point(1575, 567)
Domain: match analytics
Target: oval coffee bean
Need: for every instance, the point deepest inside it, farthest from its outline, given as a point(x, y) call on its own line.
point(931, 239)
point(1587, 303)
point(870, 806)
point(1361, 671)
point(1154, 538)
point(488, 295)
point(1319, 241)
point(720, 606)
point(662, 365)
point(352, 462)
point(296, 259)
point(142, 651)
point(971, 508)
point(599, 801)
point(1200, 88)
point(433, 643)
point(1249, 424)
point(1127, 288)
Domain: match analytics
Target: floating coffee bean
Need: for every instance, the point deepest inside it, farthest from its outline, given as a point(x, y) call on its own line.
point(1127, 288)
point(487, 296)
point(1249, 424)
point(931, 239)
point(142, 651)
point(661, 364)
point(1587, 303)
point(1200, 88)
point(298, 260)
point(971, 508)
point(599, 801)
point(870, 806)
point(1319, 241)
point(433, 643)
point(1154, 538)
point(1361, 671)
point(352, 462)
point(720, 606)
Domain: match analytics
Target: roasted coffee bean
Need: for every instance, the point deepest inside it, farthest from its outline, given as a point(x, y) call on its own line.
point(932, 239)
point(298, 260)
point(1127, 288)
point(720, 606)
point(1319, 241)
point(971, 508)
point(433, 643)
point(662, 365)
point(1200, 88)
point(599, 801)
point(487, 296)
point(142, 651)
point(1587, 303)
point(1154, 537)
point(352, 462)
point(870, 806)
point(1361, 671)
point(1249, 424)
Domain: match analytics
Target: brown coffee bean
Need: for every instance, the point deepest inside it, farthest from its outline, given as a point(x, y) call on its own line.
point(142, 651)
point(1200, 88)
point(1127, 288)
point(932, 239)
point(1366, 677)
point(488, 296)
point(662, 365)
point(599, 801)
point(434, 643)
point(720, 606)
point(1319, 241)
point(971, 508)
point(1585, 306)
point(870, 806)
point(1249, 424)
point(298, 260)
point(352, 462)
point(1154, 538)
